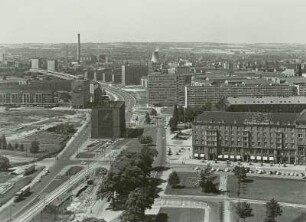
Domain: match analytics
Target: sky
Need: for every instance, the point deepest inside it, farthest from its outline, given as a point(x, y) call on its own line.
point(226, 21)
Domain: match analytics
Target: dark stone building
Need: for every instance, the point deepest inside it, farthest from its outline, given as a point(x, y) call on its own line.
point(108, 120)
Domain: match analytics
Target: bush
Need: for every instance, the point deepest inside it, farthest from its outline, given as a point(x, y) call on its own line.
point(145, 139)
point(173, 179)
point(4, 163)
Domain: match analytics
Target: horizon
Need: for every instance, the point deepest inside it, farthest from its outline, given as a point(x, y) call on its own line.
point(213, 21)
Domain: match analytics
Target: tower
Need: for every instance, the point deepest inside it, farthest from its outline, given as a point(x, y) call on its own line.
point(79, 48)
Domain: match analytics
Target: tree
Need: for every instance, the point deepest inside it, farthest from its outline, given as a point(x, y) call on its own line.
point(153, 112)
point(162, 217)
point(129, 171)
point(3, 142)
point(147, 118)
point(273, 210)
point(173, 179)
point(175, 113)
point(241, 174)
point(145, 139)
point(206, 179)
point(169, 152)
point(16, 146)
point(9, 146)
point(4, 163)
point(138, 201)
point(244, 210)
point(173, 124)
point(93, 219)
point(34, 146)
point(21, 147)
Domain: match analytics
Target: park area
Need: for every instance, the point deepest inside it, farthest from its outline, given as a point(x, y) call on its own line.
point(266, 188)
point(22, 126)
point(289, 214)
point(189, 185)
point(183, 214)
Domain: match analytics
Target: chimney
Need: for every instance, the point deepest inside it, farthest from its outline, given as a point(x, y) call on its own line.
point(79, 48)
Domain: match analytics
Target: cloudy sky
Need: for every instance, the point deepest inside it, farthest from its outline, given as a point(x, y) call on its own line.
point(233, 21)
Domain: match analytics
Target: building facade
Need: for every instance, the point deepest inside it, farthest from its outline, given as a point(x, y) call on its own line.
point(108, 120)
point(201, 95)
point(131, 74)
point(80, 94)
point(273, 104)
point(167, 89)
point(263, 137)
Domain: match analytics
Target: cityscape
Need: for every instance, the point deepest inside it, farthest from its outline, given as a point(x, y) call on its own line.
point(116, 124)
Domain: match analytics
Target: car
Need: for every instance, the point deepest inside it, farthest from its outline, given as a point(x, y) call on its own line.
point(278, 173)
point(47, 170)
point(196, 168)
point(291, 174)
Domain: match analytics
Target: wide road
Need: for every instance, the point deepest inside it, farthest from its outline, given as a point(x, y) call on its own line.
point(161, 143)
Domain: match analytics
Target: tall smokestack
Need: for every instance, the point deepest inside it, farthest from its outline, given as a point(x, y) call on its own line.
point(79, 48)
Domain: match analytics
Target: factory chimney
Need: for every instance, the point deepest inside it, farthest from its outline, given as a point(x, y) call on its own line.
point(79, 48)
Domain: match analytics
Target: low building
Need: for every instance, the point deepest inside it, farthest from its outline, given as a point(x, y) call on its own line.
point(247, 136)
point(273, 104)
point(108, 120)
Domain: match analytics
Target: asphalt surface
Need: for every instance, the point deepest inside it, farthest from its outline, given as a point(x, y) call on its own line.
point(161, 144)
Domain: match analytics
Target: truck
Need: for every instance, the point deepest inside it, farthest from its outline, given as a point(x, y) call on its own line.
point(21, 194)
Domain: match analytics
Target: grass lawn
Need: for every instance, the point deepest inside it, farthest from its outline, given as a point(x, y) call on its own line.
point(135, 146)
point(184, 214)
point(264, 188)
point(289, 214)
point(189, 183)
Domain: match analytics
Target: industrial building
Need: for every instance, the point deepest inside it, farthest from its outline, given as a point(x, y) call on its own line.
point(108, 120)
point(250, 136)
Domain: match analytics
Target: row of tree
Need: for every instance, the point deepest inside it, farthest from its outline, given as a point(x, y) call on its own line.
point(184, 115)
point(34, 148)
point(129, 185)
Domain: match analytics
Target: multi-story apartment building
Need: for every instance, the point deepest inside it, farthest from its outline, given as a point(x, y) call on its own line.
point(273, 104)
point(201, 95)
point(131, 74)
point(12, 97)
point(268, 137)
point(167, 89)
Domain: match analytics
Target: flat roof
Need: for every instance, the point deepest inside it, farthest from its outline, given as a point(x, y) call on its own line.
point(245, 100)
point(249, 118)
